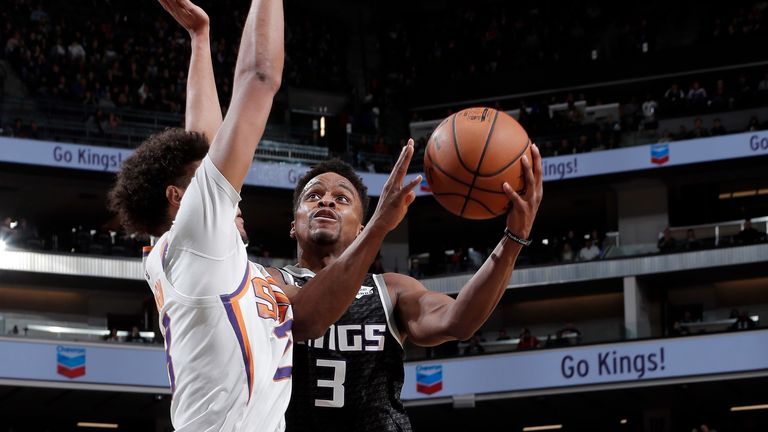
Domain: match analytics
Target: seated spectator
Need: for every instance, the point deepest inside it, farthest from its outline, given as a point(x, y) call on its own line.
point(572, 240)
point(666, 136)
point(503, 335)
point(566, 336)
point(135, 335)
point(697, 96)
point(566, 255)
point(18, 130)
point(570, 334)
point(667, 243)
point(476, 259)
point(7, 234)
point(720, 100)
point(34, 130)
point(458, 260)
point(698, 131)
point(753, 124)
point(743, 322)
point(28, 236)
point(679, 327)
point(112, 336)
point(474, 346)
point(691, 242)
point(674, 101)
point(597, 239)
point(415, 270)
point(717, 128)
point(589, 252)
point(526, 340)
point(649, 108)
point(748, 234)
point(762, 88)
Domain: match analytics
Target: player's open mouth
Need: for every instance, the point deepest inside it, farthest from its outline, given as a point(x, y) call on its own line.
point(325, 214)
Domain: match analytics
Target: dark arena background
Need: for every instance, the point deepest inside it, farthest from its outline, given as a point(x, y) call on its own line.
point(640, 306)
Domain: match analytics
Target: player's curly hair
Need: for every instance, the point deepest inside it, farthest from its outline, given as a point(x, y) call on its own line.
point(335, 166)
point(163, 159)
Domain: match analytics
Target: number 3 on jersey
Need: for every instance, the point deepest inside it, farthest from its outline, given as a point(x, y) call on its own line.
point(336, 384)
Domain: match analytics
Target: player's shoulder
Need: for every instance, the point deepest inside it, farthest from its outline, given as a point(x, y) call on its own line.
point(399, 284)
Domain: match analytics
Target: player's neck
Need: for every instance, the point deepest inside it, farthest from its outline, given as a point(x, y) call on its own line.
point(317, 258)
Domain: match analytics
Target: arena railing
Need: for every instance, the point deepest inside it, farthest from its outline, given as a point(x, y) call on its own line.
point(61, 326)
point(67, 122)
point(712, 235)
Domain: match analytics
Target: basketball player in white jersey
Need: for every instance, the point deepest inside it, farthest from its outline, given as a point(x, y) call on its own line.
point(228, 326)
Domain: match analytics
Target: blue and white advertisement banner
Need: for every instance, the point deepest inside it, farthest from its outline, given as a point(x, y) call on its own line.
point(285, 175)
point(109, 159)
point(750, 144)
point(628, 363)
point(89, 363)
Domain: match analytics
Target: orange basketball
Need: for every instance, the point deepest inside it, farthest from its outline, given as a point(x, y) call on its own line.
point(469, 157)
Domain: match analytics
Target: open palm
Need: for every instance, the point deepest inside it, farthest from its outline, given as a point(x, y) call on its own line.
point(186, 13)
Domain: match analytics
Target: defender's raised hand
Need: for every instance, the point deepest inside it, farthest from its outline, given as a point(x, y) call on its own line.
point(396, 197)
point(187, 14)
point(524, 207)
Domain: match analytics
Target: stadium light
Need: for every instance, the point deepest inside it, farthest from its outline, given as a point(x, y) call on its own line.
point(749, 407)
point(623, 421)
point(542, 428)
point(97, 425)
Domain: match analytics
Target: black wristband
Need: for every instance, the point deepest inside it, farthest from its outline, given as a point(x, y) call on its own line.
point(515, 238)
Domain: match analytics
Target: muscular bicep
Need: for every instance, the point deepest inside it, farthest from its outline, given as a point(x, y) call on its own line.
point(423, 316)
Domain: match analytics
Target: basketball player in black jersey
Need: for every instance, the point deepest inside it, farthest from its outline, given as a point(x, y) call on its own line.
point(350, 379)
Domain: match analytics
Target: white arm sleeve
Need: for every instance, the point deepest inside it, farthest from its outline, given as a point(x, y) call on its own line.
point(205, 254)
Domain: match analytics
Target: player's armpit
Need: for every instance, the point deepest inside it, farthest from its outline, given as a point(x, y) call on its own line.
point(279, 280)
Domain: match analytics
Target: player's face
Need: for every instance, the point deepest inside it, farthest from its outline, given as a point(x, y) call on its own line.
point(329, 212)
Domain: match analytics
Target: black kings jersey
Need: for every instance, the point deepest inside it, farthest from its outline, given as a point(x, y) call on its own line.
point(349, 380)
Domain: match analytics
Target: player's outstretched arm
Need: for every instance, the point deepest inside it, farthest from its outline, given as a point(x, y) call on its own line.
point(430, 318)
point(326, 297)
point(203, 111)
point(258, 75)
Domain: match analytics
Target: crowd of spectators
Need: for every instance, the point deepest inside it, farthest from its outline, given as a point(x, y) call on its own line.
point(481, 51)
point(116, 55)
point(120, 57)
point(747, 235)
point(568, 131)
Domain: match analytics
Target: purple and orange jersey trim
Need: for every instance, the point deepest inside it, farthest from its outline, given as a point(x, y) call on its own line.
point(235, 315)
point(159, 296)
point(168, 359)
point(283, 373)
point(145, 251)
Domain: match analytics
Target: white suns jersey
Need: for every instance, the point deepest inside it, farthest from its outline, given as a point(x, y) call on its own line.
point(227, 326)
